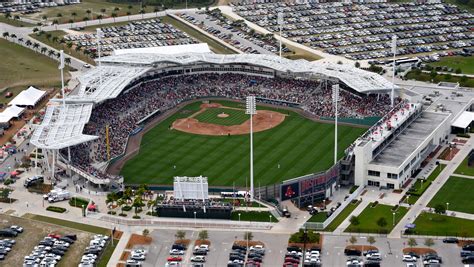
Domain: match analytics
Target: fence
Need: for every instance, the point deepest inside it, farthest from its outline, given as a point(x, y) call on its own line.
point(183, 223)
point(323, 225)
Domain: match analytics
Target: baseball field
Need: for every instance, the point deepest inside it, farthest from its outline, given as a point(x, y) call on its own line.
point(286, 145)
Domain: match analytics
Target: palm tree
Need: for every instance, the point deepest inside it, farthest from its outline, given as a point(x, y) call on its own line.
point(5, 35)
point(85, 19)
point(89, 13)
point(51, 52)
point(109, 200)
point(48, 35)
point(156, 9)
point(67, 60)
point(13, 36)
point(43, 50)
point(74, 14)
point(44, 17)
point(20, 40)
point(28, 43)
point(120, 203)
point(78, 47)
point(56, 22)
point(128, 14)
point(62, 41)
point(55, 39)
point(16, 17)
point(142, 11)
point(116, 9)
point(59, 15)
point(103, 10)
point(35, 30)
point(99, 17)
point(137, 203)
point(71, 21)
point(114, 15)
point(69, 44)
point(8, 15)
point(35, 46)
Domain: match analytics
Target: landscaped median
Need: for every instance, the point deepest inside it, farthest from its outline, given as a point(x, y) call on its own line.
point(253, 216)
point(376, 218)
point(442, 225)
point(421, 185)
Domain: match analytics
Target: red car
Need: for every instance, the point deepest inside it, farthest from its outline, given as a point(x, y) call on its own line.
point(174, 258)
point(55, 236)
point(291, 260)
point(289, 264)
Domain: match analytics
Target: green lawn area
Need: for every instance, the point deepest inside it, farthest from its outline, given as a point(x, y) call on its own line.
point(14, 22)
point(461, 6)
point(434, 174)
point(464, 169)
point(369, 217)
point(301, 146)
point(236, 117)
point(69, 51)
point(341, 217)
point(215, 46)
point(75, 225)
point(466, 64)
point(425, 77)
point(105, 257)
point(253, 216)
point(457, 192)
point(320, 217)
point(442, 225)
point(31, 68)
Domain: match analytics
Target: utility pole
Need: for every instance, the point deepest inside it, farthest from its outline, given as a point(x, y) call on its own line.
point(99, 36)
point(280, 22)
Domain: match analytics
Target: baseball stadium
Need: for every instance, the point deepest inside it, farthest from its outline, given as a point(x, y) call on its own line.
point(144, 117)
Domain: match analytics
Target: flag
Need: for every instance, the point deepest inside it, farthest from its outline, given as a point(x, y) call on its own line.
point(61, 60)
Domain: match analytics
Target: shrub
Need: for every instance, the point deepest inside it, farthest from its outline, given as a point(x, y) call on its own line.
point(78, 202)
point(374, 204)
point(353, 188)
point(298, 237)
point(123, 214)
point(56, 209)
point(127, 208)
point(8, 182)
point(395, 208)
point(136, 217)
point(111, 212)
point(465, 135)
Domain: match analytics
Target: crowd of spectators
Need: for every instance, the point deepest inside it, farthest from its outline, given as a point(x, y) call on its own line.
point(123, 113)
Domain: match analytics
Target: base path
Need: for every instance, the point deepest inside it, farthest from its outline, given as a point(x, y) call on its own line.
point(263, 120)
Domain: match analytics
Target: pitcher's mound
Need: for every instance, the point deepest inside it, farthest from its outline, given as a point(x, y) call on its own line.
point(223, 115)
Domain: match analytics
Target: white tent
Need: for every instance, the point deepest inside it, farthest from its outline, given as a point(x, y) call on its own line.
point(10, 113)
point(28, 97)
point(464, 119)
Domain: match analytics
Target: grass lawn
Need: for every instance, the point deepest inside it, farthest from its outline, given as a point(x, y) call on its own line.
point(457, 192)
point(236, 117)
point(299, 145)
point(253, 216)
point(75, 225)
point(31, 68)
point(105, 257)
point(215, 46)
point(369, 217)
point(69, 51)
point(466, 64)
point(300, 54)
point(434, 174)
point(14, 22)
point(464, 169)
point(320, 217)
point(442, 225)
point(425, 77)
point(341, 217)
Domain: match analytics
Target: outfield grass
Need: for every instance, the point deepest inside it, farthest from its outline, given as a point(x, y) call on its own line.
point(319, 217)
point(466, 64)
point(442, 225)
point(22, 67)
point(253, 216)
point(369, 217)
point(236, 117)
point(464, 169)
point(457, 192)
point(299, 145)
point(342, 216)
point(215, 46)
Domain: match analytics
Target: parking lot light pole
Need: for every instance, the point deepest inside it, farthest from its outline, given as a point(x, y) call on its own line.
point(251, 110)
point(99, 36)
point(393, 219)
point(394, 51)
point(239, 217)
point(270, 218)
point(447, 207)
point(195, 223)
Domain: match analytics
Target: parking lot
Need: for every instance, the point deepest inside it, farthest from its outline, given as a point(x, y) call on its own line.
point(29, 8)
point(364, 31)
point(219, 249)
point(136, 34)
point(34, 232)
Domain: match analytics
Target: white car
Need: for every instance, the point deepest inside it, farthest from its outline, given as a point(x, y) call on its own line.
point(198, 259)
point(430, 261)
point(204, 247)
point(138, 257)
point(257, 247)
point(133, 263)
point(411, 265)
point(176, 252)
point(17, 228)
point(409, 258)
point(87, 66)
point(140, 251)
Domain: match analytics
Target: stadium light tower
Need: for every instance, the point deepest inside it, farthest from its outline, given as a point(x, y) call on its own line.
point(251, 110)
point(335, 99)
point(61, 67)
point(99, 36)
point(280, 22)
point(394, 51)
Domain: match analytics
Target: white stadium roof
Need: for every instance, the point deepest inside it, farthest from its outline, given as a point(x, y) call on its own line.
point(62, 127)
